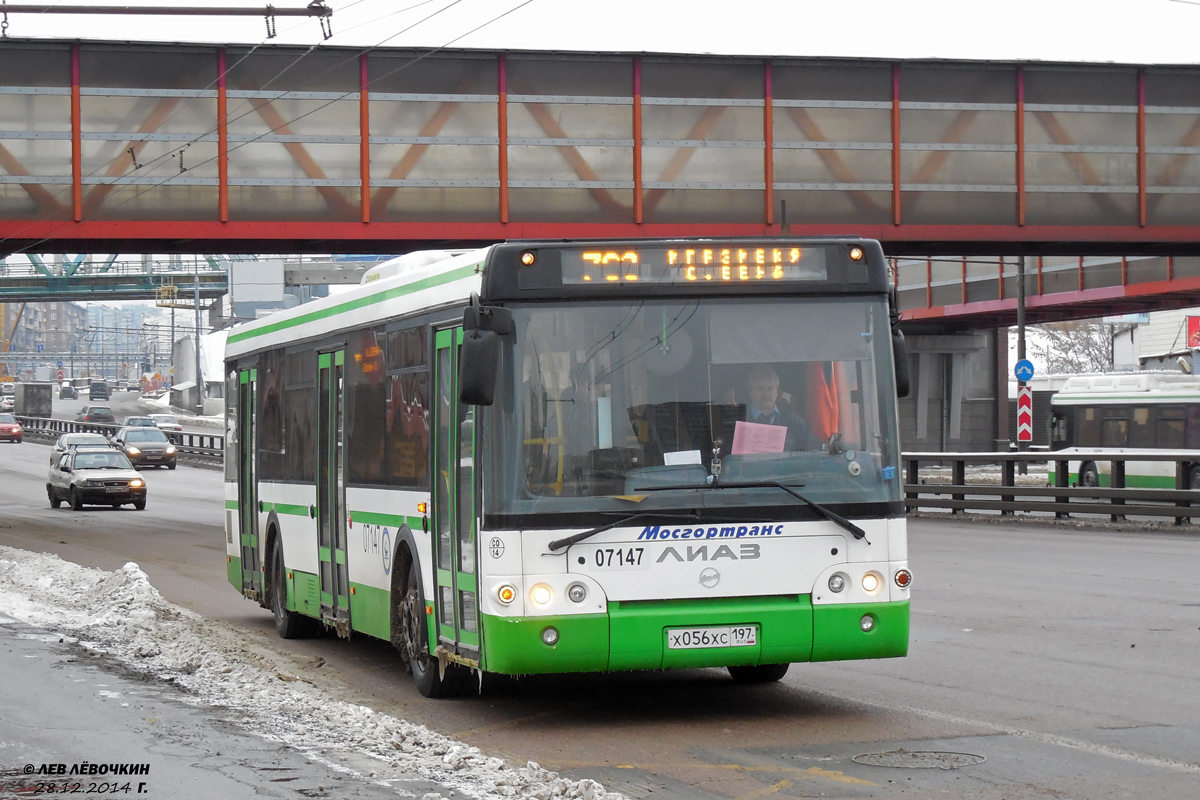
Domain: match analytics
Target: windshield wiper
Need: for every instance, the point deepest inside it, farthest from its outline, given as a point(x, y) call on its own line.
point(832, 516)
point(558, 544)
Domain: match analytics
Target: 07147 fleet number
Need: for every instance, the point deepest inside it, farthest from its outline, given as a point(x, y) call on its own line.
point(627, 557)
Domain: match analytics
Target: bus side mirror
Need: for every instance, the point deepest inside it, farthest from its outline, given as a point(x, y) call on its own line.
point(478, 360)
point(900, 357)
point(479, 356)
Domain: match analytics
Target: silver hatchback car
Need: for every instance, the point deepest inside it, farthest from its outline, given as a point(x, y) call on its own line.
point(95, 476)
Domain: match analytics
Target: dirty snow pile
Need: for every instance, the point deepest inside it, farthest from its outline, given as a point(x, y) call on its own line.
point(121, 615)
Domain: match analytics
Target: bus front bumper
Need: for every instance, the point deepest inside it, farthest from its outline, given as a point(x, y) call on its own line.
point(635, 635)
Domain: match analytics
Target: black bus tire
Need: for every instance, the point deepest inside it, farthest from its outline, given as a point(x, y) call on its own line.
point(1194, 477)
point(288, 624)
point(1089, 475)
point(426, 670)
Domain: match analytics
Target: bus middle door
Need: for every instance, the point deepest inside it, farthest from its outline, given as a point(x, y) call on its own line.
point(247, 403)
point(331, 491)
point(456, 598)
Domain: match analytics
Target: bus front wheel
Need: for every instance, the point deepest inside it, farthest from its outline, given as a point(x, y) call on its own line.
point(426, 671)
point(288, 624)
point(1088, 475)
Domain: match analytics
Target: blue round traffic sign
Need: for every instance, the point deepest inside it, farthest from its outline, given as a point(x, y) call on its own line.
point(1023, 370)
point(60, 365)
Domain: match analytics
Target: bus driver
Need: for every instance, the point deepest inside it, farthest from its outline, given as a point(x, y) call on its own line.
point(764, 408)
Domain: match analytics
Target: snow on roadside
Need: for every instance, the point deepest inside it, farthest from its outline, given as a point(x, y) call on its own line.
point(120, 614)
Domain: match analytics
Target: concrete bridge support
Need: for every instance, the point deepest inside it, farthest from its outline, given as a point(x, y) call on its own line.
point(956, 385)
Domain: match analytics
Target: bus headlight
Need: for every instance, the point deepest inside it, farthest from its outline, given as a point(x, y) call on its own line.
point(541, 595)
point(577, 592)
point(870, 583)
point(837, 583)
point(506, 594)
point(903, 578)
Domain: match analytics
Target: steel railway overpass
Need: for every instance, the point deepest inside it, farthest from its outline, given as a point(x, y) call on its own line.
point(1092, 171)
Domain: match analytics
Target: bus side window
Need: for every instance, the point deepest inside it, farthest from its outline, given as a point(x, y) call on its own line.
point(1169, 428)
point(1058, 428)
point(1141, 431)
point(1088, 434)
point(1114, 430)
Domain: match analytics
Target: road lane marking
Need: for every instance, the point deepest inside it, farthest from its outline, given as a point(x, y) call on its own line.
point(1038, 736)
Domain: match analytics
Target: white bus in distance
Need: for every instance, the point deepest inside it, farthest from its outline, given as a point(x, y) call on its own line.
point(1136, 412)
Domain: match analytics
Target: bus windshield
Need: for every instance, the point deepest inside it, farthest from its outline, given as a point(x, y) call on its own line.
point(642, 405)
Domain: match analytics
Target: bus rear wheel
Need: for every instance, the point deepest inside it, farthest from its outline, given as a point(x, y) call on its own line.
point(1088, 475)
point(762, 673)
point(1193, 478)
point(288, 624)
point(427, 672)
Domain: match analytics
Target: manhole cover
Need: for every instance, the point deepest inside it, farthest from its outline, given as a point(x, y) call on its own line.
point(919, 759)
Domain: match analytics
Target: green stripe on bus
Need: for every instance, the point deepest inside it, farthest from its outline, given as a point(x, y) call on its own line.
point(391, 520)
point(371, 610)
point(234, 568)
point(361, 302)
point(292, 510)
point(1131, 481)
point(231, 504)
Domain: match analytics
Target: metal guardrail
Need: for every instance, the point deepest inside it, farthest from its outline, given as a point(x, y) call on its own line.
point(1060, 499)
point(1008, 497)
point(196, 447)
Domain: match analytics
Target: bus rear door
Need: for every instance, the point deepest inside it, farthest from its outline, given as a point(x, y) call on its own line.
point(331, 491)
point(247, 401)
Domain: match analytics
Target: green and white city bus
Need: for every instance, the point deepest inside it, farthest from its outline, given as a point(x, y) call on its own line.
point(1128, 413)
point(540, 457)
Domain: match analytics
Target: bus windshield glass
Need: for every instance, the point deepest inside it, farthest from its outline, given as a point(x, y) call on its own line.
point(644, 405)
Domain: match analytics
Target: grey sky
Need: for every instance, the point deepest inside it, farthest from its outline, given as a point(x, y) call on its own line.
point(1120, 31)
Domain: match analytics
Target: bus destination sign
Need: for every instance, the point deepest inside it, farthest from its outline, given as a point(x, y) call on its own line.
point(723, 263)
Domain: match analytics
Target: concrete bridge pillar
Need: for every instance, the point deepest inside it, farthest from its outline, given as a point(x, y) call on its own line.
point(953, 405)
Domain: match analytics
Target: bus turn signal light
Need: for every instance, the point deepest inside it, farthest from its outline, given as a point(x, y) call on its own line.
point(506, 594)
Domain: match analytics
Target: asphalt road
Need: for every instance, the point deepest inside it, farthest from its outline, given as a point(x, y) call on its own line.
point(1045, 662)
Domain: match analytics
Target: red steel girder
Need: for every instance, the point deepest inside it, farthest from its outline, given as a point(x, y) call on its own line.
point(120, 165)
point(1079, 161)
point(47, 202)
point(336, 201)
point(572, 156)
point(703, 127)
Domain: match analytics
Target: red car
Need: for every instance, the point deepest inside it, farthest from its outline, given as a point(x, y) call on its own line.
point(10, 429)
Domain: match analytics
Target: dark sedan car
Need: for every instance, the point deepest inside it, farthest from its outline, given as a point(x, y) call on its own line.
point(67, 392)
point(96, 414)
point(146, 447)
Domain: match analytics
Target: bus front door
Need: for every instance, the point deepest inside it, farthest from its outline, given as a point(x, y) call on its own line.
point(331, 491)
point(456, 598)
point(247, 402)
